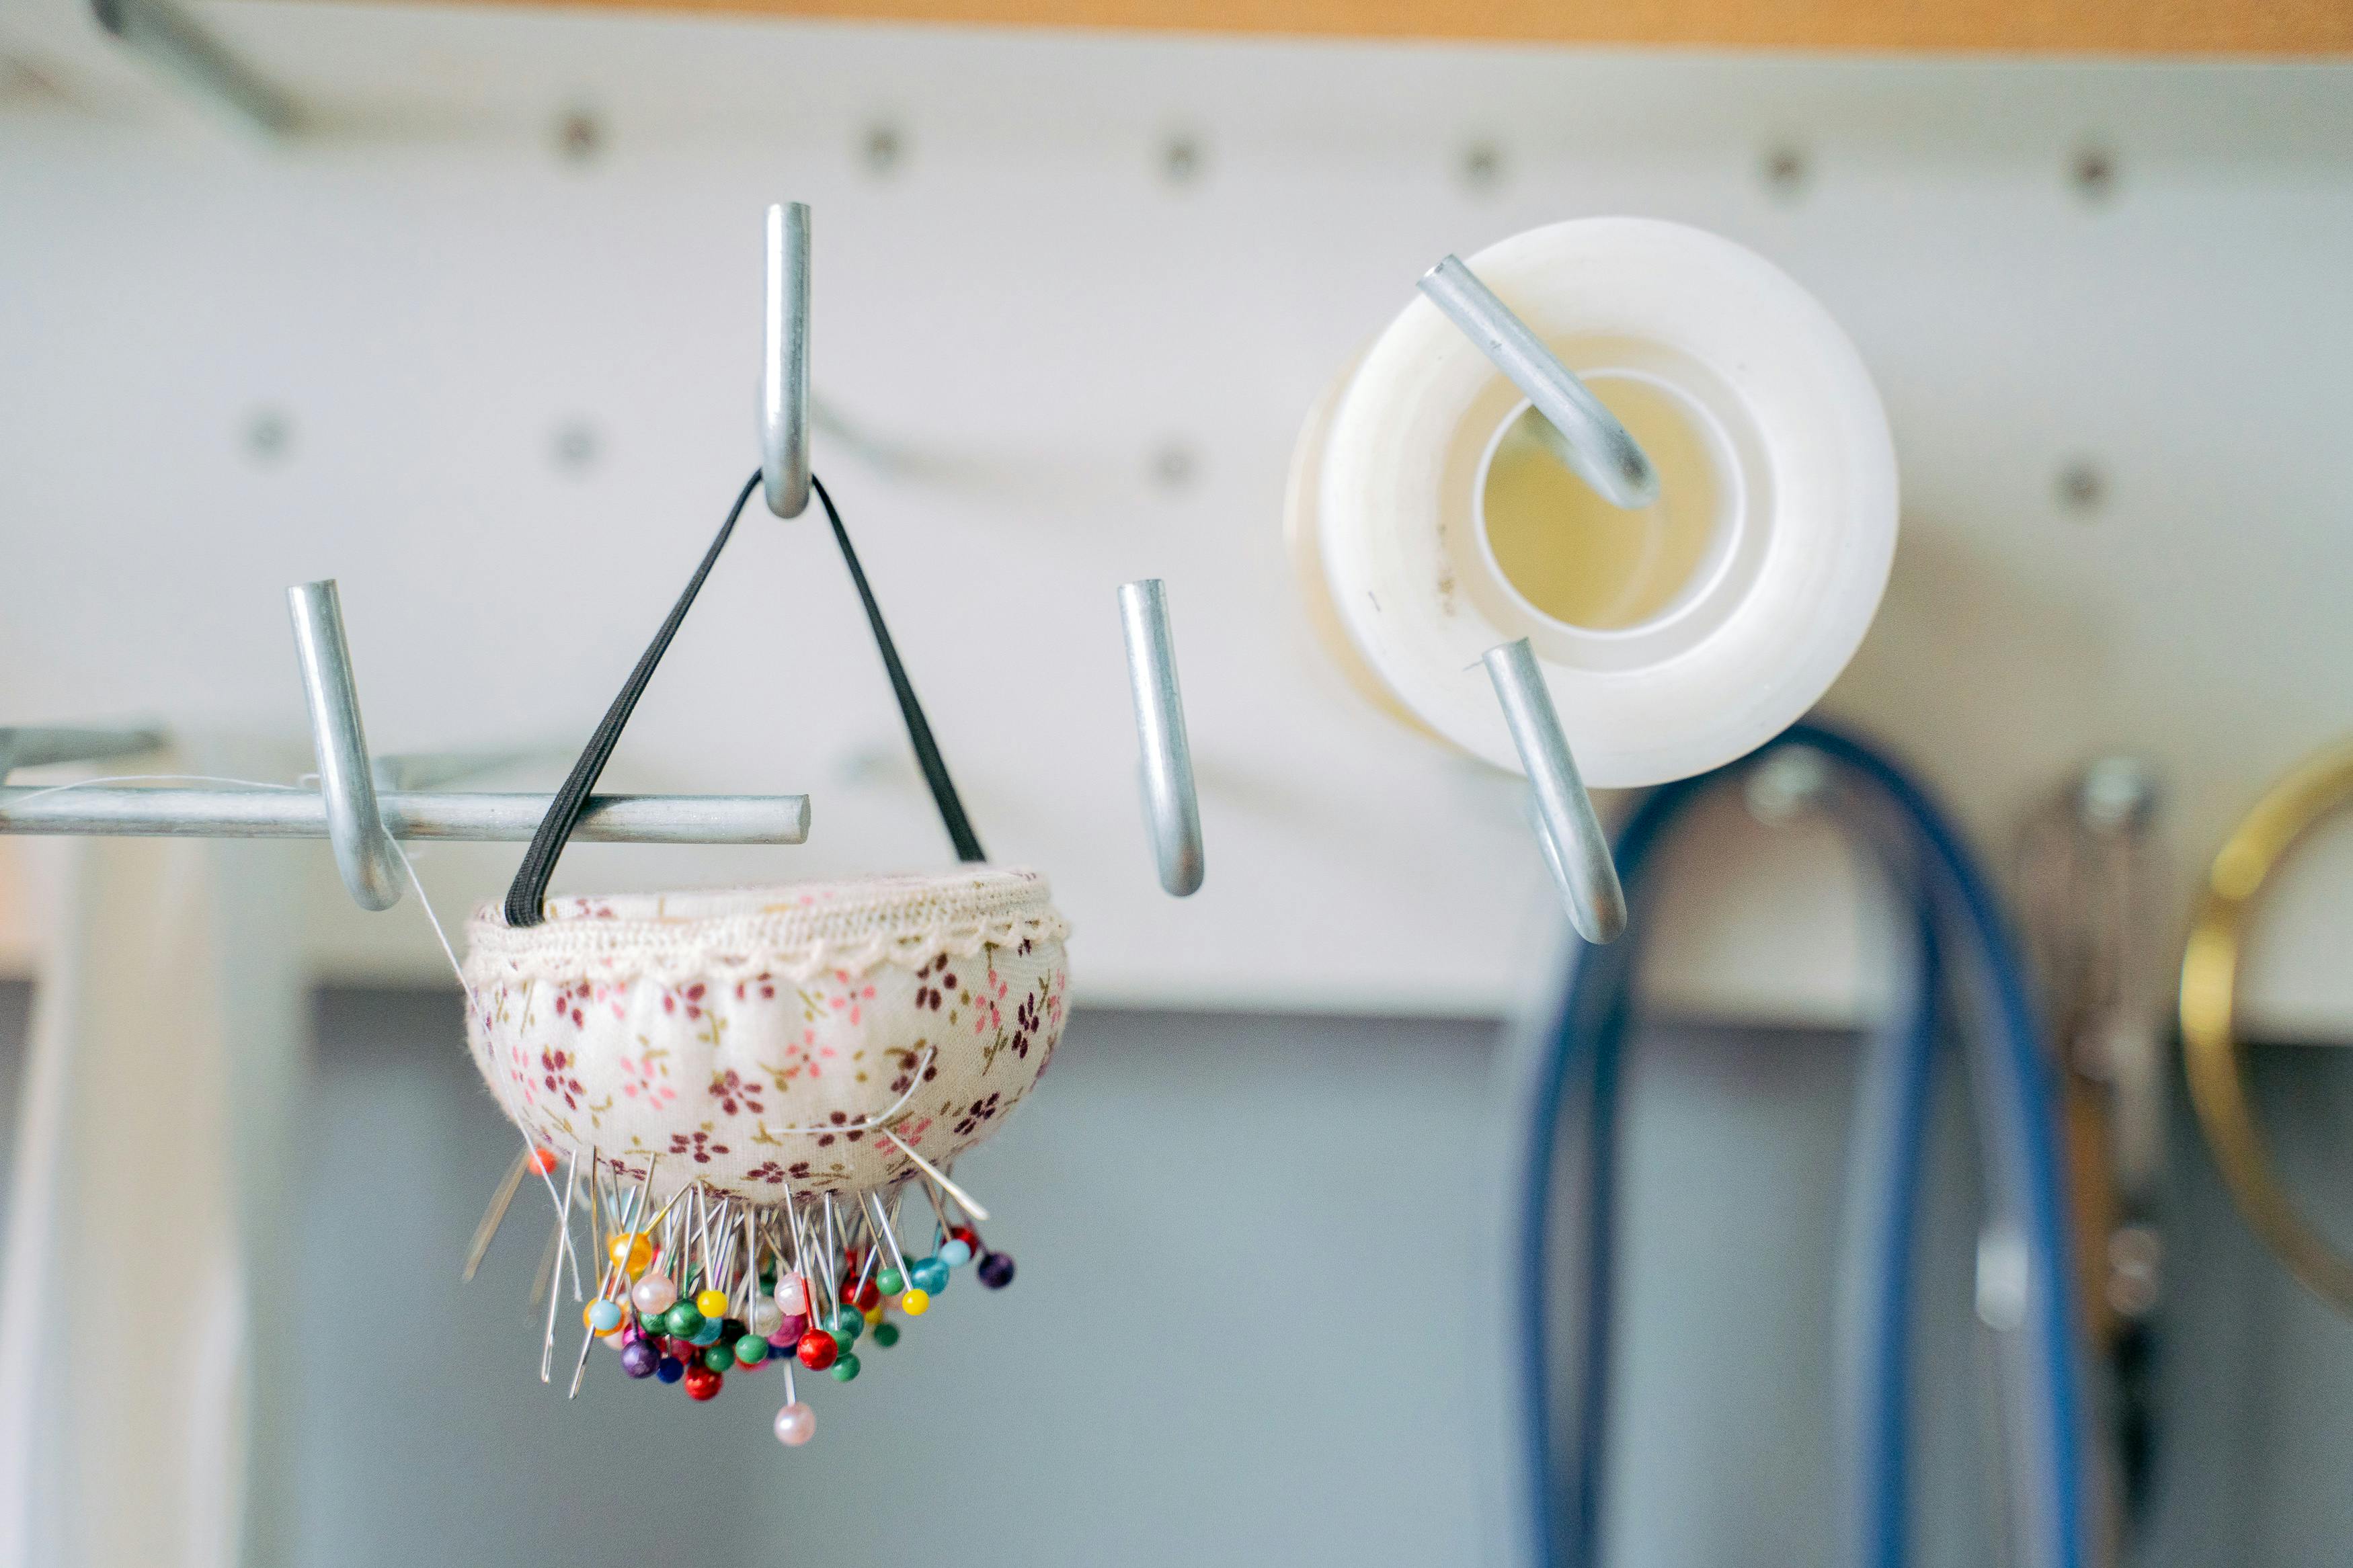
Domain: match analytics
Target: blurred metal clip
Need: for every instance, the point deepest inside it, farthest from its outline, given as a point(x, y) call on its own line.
point(1575, 847)
point(1594, 444)
point(364, 851)
point(1170, 802)
point(784, 362)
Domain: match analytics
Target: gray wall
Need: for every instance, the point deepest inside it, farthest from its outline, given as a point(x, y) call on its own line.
point(1208, 1355)
point(1250, 1326)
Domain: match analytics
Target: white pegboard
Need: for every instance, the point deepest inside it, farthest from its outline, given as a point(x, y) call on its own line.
point(1099, 368)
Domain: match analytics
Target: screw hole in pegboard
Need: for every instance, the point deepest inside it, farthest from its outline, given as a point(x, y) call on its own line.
point(2080, 486)
point(1175, 466)
point(579, 136)
point(2093, 174)
point(1482, 167)
point(1181, 160)
point(576, 446)
point(269, 437)
point(1786, 171)
point(882, 148)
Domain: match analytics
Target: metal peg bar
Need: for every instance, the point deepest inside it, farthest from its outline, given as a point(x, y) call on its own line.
point(784, 363)
point(1172, 808)
point(26, 746)
point(1575, 846)
point(362, 854)
point(480, 818)
point(1594, 444)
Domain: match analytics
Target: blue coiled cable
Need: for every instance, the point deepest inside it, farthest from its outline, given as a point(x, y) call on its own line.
point(1577, 1055)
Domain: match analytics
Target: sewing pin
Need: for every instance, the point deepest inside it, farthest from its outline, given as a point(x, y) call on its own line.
point(496, 1214)
point(544, 1280)
point(964, 1199)
point(543, 1162)
point(599, 1248)
point(890, 1236)
point(563, 1228)
point(796, 1423)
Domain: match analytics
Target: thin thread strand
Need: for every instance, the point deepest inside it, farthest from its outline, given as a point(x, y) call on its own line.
point(153, 778)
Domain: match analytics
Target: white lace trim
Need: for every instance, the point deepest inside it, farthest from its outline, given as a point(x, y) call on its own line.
point(798, 931)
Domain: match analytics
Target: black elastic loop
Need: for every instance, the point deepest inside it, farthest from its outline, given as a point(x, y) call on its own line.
point(526, 897)
point(919, 732)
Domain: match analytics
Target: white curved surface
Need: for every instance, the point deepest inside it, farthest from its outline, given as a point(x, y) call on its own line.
point(1800, 440)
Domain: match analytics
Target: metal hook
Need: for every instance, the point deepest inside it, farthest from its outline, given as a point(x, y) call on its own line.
point(1171, 806)
point(364, 851)
point(784, 363)
point(1576, 848)
point(1591, 441)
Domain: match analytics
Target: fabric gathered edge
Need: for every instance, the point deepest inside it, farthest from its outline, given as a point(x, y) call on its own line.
point(730, 949)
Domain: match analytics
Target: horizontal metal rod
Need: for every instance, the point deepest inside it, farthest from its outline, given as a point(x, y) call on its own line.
point(445, 814)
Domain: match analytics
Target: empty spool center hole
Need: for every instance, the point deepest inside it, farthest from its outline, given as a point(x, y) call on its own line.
point(1578, 559)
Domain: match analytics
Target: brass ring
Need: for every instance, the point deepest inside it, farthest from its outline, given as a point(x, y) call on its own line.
point(2316, 789)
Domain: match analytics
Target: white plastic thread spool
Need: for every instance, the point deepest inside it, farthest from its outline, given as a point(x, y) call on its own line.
point(1430, 521)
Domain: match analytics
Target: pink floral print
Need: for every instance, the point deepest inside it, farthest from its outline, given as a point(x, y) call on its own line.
point(761, 1078)
point(736, 1094)
point(558, 1075)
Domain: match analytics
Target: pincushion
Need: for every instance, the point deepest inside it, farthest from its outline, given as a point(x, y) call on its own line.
point(756, 1038)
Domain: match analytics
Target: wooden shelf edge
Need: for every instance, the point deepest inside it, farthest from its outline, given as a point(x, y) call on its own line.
point(2185, 30)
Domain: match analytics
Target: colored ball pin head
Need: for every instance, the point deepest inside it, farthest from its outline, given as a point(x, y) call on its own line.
point(847, 1325)
point(792, 1295)
point(682, 1320)
point(711, 1303)
point(886, 1334)
point(751, 1350)
point(955, 1254)
point(543, 1161)
point(929, 1274)
point(719, 1357)
point(654, 1293)
point(604, 1316)
point(638, 1358)
point(701, 1382)
point(996, 1270)
point(915, 1302)
point(631, 1253)
point(765, 1317)
point(888, 1282)
point(816, 1350)
point(669, 1369)
point(795, 1424)
point(845, 1368)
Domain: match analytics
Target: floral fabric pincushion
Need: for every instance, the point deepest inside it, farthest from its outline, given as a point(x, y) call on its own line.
point(755, 1037)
